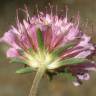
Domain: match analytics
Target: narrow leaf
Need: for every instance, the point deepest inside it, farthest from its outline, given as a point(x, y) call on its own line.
point(70, 61)
point(40, 39)
point(24, 70)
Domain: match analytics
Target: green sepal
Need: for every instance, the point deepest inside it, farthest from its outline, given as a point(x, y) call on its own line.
point(69, 76)
point(72, 61)
point(40, 39)
point(69, 61)
point(17, 60)
point(24, 70)
point(63, 48)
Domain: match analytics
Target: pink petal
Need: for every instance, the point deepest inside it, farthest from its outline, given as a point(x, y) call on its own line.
point(84, 77)
point(9, 38)
point(72, 52)
point(12, 52)
point(83, 54)
point(26, 24)
point(67, 26)
point(48, 19)
point(32, 34)
point(91, 69)
point(85, 42)
point(24, 39)
point(15, 31)
point(72, 34)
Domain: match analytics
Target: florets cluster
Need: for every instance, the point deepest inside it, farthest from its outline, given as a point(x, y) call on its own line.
point(54, 42)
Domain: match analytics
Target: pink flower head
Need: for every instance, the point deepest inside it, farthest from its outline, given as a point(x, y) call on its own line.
point(56, 42)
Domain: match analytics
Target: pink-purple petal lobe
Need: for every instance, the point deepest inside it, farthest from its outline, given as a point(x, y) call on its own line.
point(84, 76)
point(10, 39)
point(72, 34)
point(83, 54)
point(12, 52)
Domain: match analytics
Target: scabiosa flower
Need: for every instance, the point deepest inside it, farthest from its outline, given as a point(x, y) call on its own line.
point(50, 44)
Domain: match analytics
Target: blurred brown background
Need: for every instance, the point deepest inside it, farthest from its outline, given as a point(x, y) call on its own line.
point(12, 84)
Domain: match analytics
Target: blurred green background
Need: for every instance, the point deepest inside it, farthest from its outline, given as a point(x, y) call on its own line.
point(12, 84)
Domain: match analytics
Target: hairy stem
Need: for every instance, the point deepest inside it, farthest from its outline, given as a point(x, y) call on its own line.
point(39, 74)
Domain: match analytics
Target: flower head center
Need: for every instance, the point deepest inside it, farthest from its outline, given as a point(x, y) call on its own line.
point(39, 58)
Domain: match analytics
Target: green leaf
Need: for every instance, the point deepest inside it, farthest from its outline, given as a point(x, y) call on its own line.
point(40, 39)
point(73, 61)
point(70, 61)
point(17, 60)
point(24, 70)
point(61, 49)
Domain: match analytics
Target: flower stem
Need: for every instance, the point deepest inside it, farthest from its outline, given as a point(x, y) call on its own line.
point(39, 74)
